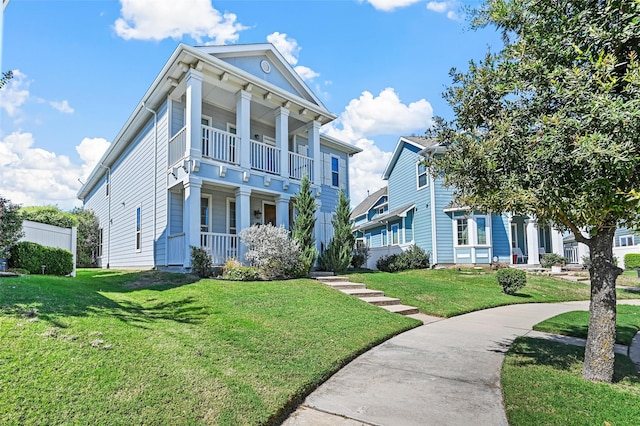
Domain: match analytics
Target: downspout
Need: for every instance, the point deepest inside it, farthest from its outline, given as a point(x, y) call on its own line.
point(155, 177)
point(108, 213)
point(434, 222)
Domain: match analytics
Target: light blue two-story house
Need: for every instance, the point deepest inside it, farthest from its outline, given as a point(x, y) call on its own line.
point(415, 208)
point(220, 141)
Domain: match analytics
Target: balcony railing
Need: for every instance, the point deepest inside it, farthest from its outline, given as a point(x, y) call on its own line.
point(299, 165)
point(220, 246)
point(220, 145)
point(265, 157)
point(178, 146)
point(571, 253)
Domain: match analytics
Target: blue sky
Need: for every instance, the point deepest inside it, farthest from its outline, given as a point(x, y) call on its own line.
point(81, 67)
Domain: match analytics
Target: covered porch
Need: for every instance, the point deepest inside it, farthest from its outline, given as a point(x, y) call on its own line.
point(210, 216)
point(530, 240)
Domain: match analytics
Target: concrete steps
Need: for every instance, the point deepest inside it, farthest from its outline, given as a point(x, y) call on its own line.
point(374, 297)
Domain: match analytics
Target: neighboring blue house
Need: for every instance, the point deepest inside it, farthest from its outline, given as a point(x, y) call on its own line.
point(416, 209)
point(220, 141)
point(624, 241)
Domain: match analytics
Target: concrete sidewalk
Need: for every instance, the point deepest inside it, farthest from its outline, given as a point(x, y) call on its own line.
point(443, 373)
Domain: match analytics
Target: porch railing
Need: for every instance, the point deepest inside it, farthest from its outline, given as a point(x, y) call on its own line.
point(300, 165)
point(220, 145)
point(220, 246)
point(571, 253)
point(177, 146)
point(265, 157)
point(176, 249)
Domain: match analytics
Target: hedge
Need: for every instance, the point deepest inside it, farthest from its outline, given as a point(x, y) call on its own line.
point(31, 257)
point(632, 261)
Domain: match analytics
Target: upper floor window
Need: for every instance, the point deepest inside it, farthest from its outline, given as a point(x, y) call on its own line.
point(626, 240)
point(462, 232)
point(423, 178)
point(335, 172)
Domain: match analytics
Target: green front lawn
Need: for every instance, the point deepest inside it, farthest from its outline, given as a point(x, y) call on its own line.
point(576, 324)
point(113, 347)
point(542, 385)
point(449, 292)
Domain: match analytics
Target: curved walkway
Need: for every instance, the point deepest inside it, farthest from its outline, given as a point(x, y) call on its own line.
point(446, 372)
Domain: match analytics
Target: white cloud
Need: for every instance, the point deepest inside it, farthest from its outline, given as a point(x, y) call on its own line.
point(365, 170)
point(450, 7)
point(15, 93)
point(90, 151)
point(383, 115)
point(34, 176)
point(438, 6)
point(160, 19)
point(62, 106)
point(389, 5)
point(290, 50)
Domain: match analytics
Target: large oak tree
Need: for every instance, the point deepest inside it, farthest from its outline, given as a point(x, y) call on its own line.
point(549, 126)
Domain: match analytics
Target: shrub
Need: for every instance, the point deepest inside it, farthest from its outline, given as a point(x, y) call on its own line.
point(360, 256)
point(201, 264)
point(632, 260)
point(272, 251)
point(511, 280)
point(586, 261)
point(235, 271)
point(413, 258)
point(550, 259)
point(31, 257)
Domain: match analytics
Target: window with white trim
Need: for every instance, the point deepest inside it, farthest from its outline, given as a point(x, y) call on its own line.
point(395, 234)
point(481, 230)
point(385, 242)
point(231, 216)
point(462, 227)
point(626, 240)
point(367, 238)
point(100, 233)
point(138, 228)
point(423, 177)
point(335, 171)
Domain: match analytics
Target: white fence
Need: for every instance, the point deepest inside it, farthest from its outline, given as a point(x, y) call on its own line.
point(51, 236)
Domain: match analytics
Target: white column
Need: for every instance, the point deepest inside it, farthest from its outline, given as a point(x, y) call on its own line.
point(532, 241)
point(557, 242)
point(193, 115)
point(243, 216)
point(314, 148)
point(510, 237)
point(191, 218)
point(282, 210)
point(282, 140)
point(243, 127)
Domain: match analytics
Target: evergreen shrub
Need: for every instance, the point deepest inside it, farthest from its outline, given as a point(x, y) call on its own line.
point(511, 280)
point(31, 256)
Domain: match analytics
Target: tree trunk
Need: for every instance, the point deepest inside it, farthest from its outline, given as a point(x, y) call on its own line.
point(599, 352)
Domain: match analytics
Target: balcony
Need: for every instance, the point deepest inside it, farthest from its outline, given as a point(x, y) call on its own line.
point(225, 147)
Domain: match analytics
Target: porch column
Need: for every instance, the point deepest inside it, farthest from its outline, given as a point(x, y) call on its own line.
point(282, 210)
point(282, 140)
point(243, 127)
point(512, 244)
point(193, 114)
point(557, 242)
point(191, 218)
point(314, 147)
point(533, 243)
point(243, 216)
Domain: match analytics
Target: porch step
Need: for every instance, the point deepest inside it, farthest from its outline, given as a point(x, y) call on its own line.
point(381, 300)
point(364, 292)
point(401, 309)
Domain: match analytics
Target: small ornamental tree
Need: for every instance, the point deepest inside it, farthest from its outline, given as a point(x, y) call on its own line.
point(304, 224)
point(337, 257)
point(88, 237)
point(10, 226)
point(549, 126)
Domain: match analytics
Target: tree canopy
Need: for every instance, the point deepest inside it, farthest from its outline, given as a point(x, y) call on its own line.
point(549, 126)
point(10, 225)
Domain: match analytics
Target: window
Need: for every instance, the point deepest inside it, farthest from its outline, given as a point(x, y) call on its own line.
point(99, 254)
point(395, 234)
point(423, 179)
point(231, 216)
point(463, 232)
point(626, 240)
point(207, 135)
point(138, 228)
point(204, 214)
point(384, 238)
point(481, 224)
point(380, 210)
point(335, 172)
point(367, 238)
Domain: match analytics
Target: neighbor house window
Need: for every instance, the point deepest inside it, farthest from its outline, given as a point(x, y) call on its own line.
point(367, 238)
point(422, 175)
point(138, 228)
point(462, 231)
point(481, 224)
point(626, 240)
point(335, 172)
point(384, 238)
point(395, 234)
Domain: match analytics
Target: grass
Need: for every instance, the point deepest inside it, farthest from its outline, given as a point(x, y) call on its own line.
point(542, 385)
point(628, 279)
point(576, 324)
point(113, 347)
point(450, 292)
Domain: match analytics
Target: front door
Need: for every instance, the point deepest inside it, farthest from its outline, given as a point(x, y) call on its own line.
point(269, 214)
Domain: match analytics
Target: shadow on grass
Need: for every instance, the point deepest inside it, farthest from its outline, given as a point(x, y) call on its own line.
point(540, 352)
point(53, 298)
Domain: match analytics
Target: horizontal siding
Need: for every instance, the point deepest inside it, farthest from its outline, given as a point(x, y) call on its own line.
point(500, 237)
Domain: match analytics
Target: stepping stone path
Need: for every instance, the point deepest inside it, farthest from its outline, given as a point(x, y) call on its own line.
point(360, 291)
